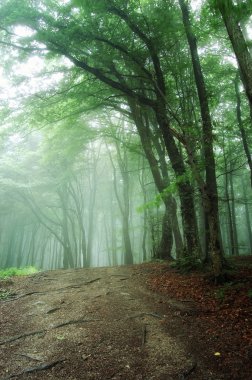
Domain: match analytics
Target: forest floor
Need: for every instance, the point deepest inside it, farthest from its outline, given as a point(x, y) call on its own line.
point(135, 322)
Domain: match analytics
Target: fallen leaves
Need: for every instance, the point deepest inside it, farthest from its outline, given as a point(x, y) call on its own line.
point(223, 312)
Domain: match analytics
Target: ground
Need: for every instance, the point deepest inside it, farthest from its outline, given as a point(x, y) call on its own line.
point(134, 322)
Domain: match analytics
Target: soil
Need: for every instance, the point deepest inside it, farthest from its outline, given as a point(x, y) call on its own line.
point(114, 323)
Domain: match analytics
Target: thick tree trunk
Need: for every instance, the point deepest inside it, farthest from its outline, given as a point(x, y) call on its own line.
point(165, 246)
point(126, 215)
point(247, 214)
point(170, 202)
point(175, 227)
point(185, 189)
point(241, 127)
point(145, 213)
point(160, 179)
point(128, 255)
point(236, 246)
point(240, 47)
point(209, 189)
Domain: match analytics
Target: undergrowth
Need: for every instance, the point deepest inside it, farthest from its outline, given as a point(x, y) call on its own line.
point(4, 294)
point(10, 272)
point(187, 264)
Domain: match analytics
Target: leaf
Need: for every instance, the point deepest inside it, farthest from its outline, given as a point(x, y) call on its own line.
point(60, 337)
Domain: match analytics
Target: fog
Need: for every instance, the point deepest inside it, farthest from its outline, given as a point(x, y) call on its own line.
point(68, 201)
point(113, 149)
point(67, 205)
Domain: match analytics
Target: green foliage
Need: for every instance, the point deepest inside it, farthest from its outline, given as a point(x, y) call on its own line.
point(60, 337)
point(10, 272)
point(167, 192)
point(187, 264)
point(242, 10)
point(4, 294)
point(250, 293)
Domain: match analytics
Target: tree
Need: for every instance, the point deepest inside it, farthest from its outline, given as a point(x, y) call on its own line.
point(231, 16)
point(115, 64)
point(208, 189)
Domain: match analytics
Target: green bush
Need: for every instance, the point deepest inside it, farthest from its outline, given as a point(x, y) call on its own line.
point(10, 272)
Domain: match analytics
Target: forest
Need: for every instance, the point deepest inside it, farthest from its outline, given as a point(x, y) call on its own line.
point(125, 132)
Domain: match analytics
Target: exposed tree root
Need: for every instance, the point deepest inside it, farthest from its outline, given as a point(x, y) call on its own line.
point(72, 322)
point(24, 295)
point(144, 334)
point(154, 315)
point(54, 290)
point(53, 310)
point(17, 337)
point(29, 357)
point(41, 367)
point(76, 321)
point(91, 281)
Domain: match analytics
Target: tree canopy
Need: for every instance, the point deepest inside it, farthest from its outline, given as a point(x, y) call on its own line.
point(150, 92)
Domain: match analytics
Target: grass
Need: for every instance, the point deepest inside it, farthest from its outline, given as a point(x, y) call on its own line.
point(10, 272)
point(4, 294)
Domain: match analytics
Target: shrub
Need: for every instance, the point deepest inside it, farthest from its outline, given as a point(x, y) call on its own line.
point(10, 272)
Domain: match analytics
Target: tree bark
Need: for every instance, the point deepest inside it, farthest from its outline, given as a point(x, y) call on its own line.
point(236, 247)
point(185, 189)
point(230, 232)
point(247, 214)
point(241, 127)
point(124, 205)
point(146, 138)
point(240, 47)
point(209, 188)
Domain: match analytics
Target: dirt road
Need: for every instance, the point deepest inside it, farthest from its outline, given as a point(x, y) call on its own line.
point(99, 323)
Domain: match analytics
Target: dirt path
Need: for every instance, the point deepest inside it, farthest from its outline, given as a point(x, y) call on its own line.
point(97, 323)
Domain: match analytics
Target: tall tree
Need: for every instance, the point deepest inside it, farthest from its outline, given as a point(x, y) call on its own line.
point(231, 15)
point(208, 189)
point(109, 57)
point(241, 125)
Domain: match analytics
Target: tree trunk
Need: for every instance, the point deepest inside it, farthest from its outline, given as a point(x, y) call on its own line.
point(68, 261)
point(91, 208)
point(241, 127)
point(209, 189)
point(240, 47)
point(169, 200)
point(247, 214)
point(145, 214)
point(236, 247)
point(230, 234)
point(165, 246)
point(185, 190)
point(124, 205)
